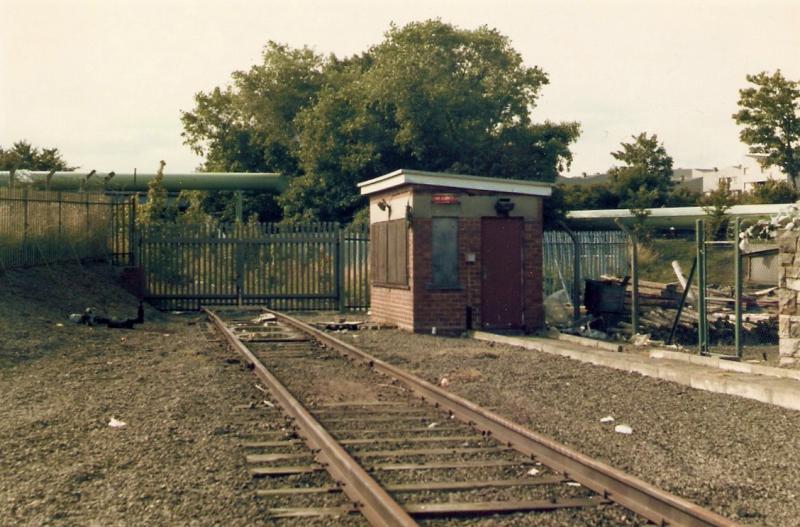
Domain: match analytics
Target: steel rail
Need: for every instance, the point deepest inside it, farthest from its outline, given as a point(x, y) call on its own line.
point(370, 498)
point(632, 493)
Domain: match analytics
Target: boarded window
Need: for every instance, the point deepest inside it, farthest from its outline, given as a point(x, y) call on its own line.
point(389, 258)
point(444, 253)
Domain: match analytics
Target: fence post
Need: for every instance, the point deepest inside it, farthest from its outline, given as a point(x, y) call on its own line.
point(576, 272)
point(634, 239)
point(238, 246)
point(635, 285)
point(239, 206)
point(24, 215)
point(737, 269)
point(702, 323)
point(131, 231)
point(60, 221)
point(339, 267)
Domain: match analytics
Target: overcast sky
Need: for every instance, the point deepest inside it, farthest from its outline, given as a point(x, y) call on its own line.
point(105, 80)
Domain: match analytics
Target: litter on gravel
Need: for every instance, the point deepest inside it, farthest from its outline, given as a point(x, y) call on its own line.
point(533, 472)
point(623, 429)
point(607, 419)
point(116, 423)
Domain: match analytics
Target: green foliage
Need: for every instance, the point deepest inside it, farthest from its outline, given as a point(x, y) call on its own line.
point(645, 179)
point(770, 118)
point(716, 204)
point(190, 208)
point(576, 197)
point(250, 125)
point(682, 197)
point(431, 96)
point(222, 206)
point(772, 191)
point(156, 210)
point(24, 156)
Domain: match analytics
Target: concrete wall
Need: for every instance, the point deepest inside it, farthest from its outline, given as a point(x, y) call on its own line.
point(789, 298)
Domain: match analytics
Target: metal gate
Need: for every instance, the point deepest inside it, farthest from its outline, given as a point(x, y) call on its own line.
point(319, 266)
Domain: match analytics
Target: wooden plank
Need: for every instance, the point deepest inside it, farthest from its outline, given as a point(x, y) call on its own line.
point(353, 404)
point(310, 512)
point(389, 467)
point(364, 412)
point(496, 507)
point(296, 491)
point(425, 486)
point(267, 458)
point(366, 454)
point(476, 484)
point(270, 444)
point(435, 439)
point(424, 429)
point(380, 419)
point(288, 470)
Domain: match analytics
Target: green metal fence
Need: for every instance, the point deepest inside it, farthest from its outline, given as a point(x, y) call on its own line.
point(601, 253)
point(316, 266)
point(40, 227)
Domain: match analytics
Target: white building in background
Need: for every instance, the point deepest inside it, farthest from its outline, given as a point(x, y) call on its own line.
point(743, 177)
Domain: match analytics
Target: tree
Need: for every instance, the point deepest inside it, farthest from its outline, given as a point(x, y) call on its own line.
point(23, 156)
point(156, 210)
point(249, 126)
point(770, 118)
point(430, 96)
point(716, 204)
point(772, 191)
point(645, 180)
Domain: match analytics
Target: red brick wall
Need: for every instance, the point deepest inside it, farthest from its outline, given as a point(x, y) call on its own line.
point(443, 309)
point(420, 308)
point(532, 273)
point(395, 305)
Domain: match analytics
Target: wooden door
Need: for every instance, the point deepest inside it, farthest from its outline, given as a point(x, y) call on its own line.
point(501, 273)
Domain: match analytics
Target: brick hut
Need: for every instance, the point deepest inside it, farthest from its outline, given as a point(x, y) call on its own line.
point(455, 252)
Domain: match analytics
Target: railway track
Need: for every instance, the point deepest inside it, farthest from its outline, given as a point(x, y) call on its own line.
point(404, 450)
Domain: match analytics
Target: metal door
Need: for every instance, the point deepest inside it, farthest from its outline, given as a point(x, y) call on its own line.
point(501, 277)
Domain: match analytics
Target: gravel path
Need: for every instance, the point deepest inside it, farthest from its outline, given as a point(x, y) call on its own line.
point(737, 457)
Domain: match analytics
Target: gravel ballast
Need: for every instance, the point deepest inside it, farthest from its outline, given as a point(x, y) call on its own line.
point(737, 457)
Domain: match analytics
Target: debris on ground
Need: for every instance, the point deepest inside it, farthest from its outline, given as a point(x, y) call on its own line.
point(264, 318)
point(116, 423)
point(558, 309)
point(533, 472)
point(623, 429)
point(90, 318)
point(607, 419)
point(351, 325)
point(609, 300)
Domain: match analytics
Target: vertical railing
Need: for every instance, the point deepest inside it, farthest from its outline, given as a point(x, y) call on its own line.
point(41, 227)
point(298, 266)
point(601, 253)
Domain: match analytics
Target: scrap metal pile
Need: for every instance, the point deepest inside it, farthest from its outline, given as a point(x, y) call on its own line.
point(608, 300)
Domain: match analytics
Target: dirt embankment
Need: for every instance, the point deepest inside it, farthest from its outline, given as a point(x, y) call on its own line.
point(176, 462)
